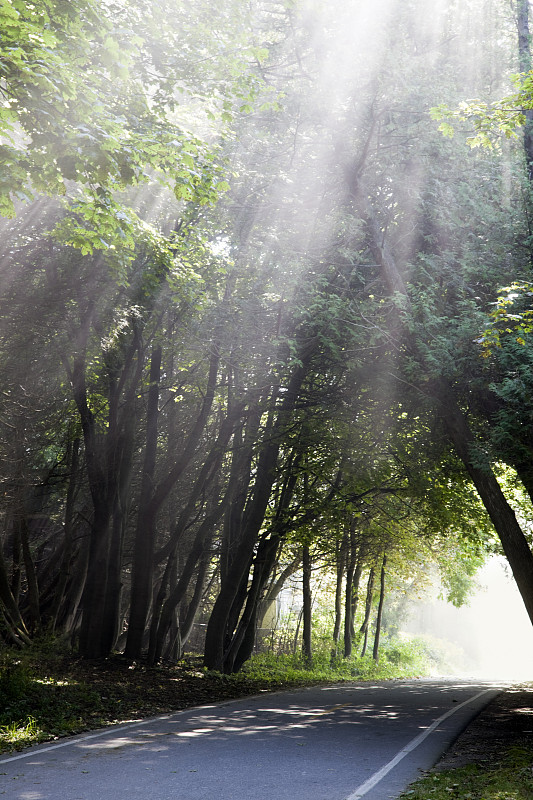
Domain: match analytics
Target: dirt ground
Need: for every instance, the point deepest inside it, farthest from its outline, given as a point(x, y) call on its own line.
point(505, 722)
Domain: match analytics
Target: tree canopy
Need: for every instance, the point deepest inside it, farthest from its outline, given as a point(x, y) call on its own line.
point(258, 312)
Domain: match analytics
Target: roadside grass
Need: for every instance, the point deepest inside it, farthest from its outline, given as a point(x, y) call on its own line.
point(46, 692)
point(510, 778)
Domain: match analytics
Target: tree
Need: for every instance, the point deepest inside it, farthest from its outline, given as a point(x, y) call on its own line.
point(272, 363)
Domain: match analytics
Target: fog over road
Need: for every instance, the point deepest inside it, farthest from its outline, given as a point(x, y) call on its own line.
point(325, 743)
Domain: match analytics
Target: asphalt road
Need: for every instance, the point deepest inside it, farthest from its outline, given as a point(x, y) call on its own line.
point(340, 742)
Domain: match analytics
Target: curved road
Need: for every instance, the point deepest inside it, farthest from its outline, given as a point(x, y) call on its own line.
point(339, 742)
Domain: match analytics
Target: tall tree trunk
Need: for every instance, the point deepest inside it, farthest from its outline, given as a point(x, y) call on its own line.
point(353, 576)
point(265, 474)
point(31, 575)
point(340, 564)
point(379, 617)
point(68, 529)
point(110, 627)
point(307, 605)
point(355, 594)
point(143, 553)
point(93, 601)
point(368, 609)
point(99, 469)
point(242, 643)
point(350, 569)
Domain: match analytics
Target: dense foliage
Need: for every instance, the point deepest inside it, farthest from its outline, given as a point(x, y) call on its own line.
point(250, 323)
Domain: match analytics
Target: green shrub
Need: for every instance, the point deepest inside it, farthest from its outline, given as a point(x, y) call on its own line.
point(398, 659)
point(15, 680)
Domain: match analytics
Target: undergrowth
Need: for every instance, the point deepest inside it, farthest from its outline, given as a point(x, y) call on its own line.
point(397, 660)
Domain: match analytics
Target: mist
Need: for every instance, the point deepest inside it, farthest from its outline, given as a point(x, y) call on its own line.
point(490, 637)
point(238, 326)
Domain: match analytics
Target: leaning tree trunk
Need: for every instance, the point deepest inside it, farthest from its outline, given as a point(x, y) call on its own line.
point(274, 588)
point(153, 498)
point(164, 613)
point(31, 575)
point(514, 542)
point(243, 641)
point(220, 627)
point(167, 613)
point(368, 609)
point(186, 624)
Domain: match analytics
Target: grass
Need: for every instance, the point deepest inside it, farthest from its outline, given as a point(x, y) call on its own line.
point(510, 778)
point(47, 693)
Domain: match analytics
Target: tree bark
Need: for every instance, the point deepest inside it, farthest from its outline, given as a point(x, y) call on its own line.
point(368, 609)
point(242, 643)
point(353, 576)
point(340, 563)
point(514, 543)
point(379, 618)
point(68, 527)
point(307, 648)
point(143, 553)
point(265, 474)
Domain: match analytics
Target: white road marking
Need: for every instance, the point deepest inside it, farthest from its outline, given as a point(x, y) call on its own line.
point(413, 744)
point(34, 753)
